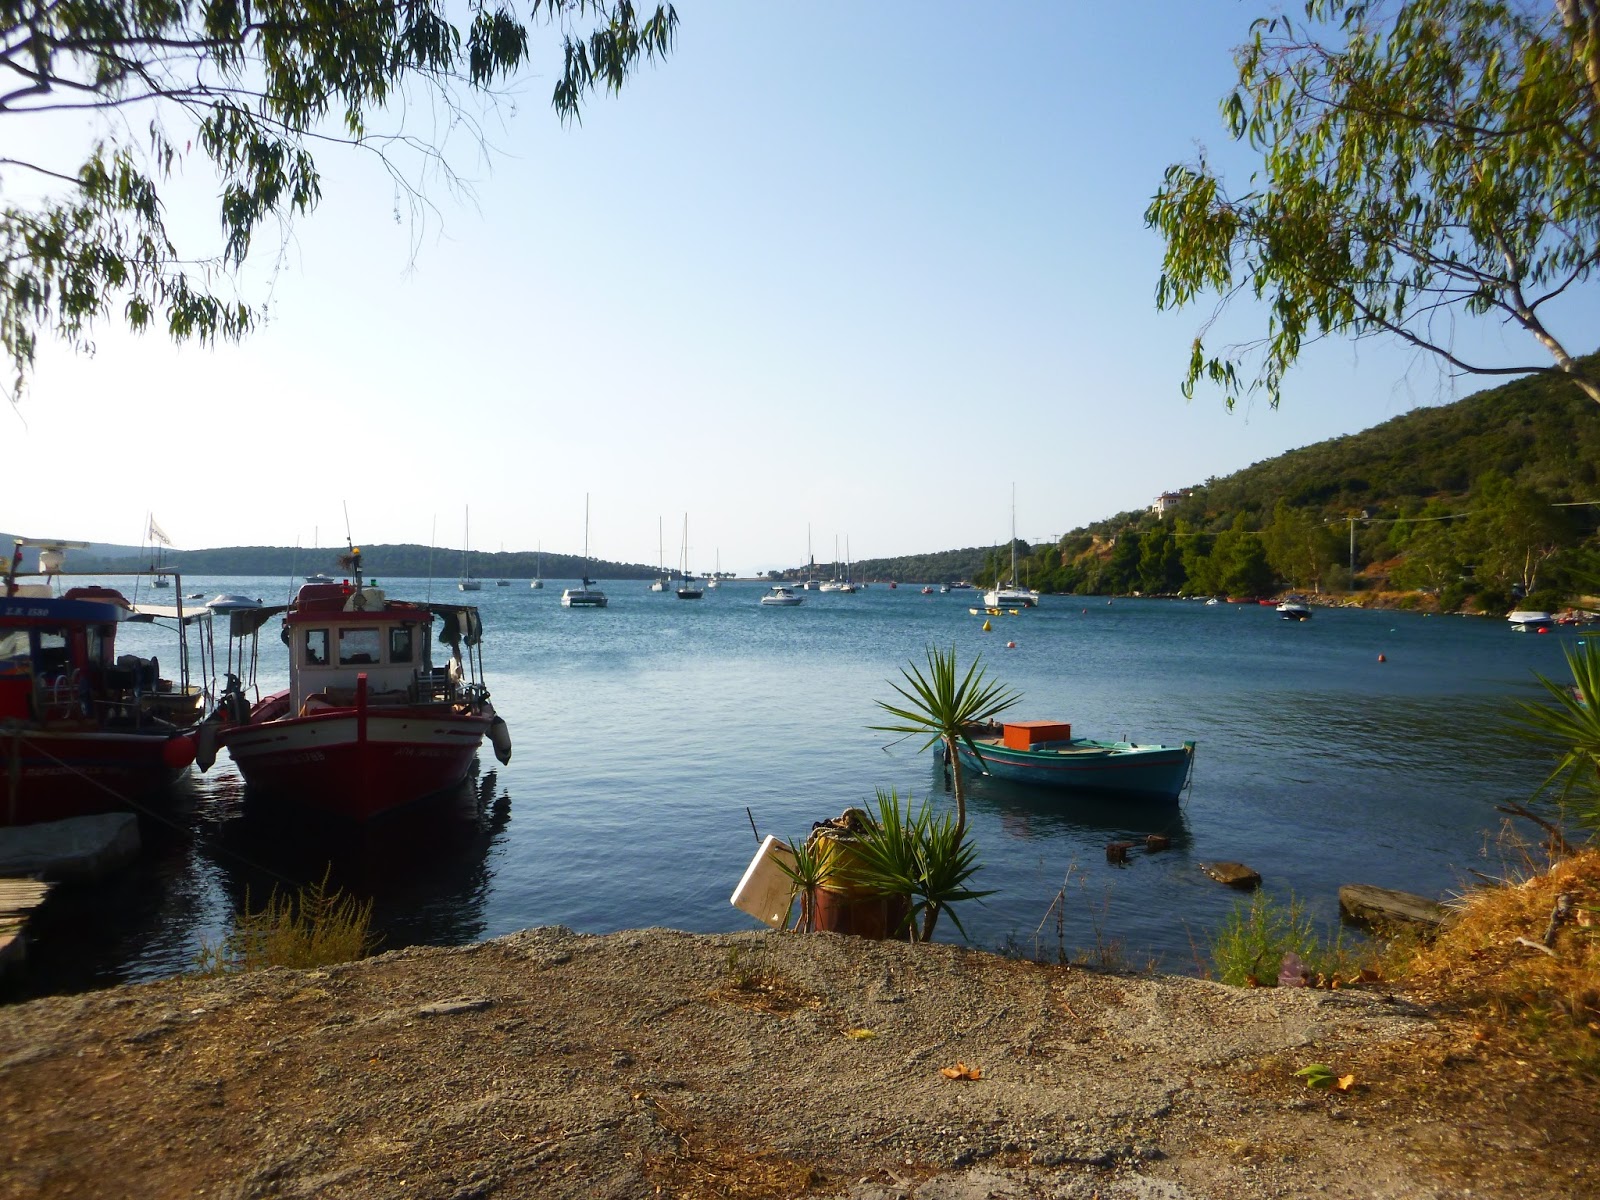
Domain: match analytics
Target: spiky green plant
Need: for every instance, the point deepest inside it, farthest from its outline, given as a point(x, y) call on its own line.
point(916, 854)
point(944, 704)
point(806, 873)
point(1571, 728)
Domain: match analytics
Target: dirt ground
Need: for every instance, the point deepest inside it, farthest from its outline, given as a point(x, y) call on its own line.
point(657, 1063)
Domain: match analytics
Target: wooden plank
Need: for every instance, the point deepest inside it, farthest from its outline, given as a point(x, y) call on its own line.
point(18, 898)
point(1384, 906)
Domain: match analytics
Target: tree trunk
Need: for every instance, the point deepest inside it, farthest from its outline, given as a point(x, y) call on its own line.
point(953, 756)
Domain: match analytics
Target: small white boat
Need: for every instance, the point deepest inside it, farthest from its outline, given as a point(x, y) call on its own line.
point(1523, 620)
point(537, 582)
point(319, 577)
point(782, 597)
point(1294, 610)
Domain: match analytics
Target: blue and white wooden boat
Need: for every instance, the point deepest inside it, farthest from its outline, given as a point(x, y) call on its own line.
point(1045, 754)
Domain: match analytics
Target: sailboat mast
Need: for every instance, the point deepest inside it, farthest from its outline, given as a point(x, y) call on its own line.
point(1013, 535)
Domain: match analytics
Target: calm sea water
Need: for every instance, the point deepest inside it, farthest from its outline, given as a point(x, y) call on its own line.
point(645, 731)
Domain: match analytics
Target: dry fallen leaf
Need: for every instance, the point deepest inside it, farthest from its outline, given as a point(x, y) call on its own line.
point(859, 1035)
point(1344, 1082)
point(961, 1071)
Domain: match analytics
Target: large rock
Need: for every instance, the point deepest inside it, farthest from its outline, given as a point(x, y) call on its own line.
point(77, 848)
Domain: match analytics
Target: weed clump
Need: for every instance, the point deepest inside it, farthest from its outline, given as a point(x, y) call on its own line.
point(316, 926)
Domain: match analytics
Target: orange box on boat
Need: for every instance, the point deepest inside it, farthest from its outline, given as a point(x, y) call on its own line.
point(1020, 735)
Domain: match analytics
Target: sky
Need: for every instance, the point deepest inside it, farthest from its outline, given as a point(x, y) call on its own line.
point(834, 270)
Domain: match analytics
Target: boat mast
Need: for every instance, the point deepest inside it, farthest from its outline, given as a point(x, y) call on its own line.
point(1013, 535)
point(586, 540)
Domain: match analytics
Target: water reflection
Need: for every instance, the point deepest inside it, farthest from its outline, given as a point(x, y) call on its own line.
point(1030, 812)
point(425, 867)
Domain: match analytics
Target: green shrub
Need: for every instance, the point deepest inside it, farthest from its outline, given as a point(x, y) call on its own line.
point(1249, 948)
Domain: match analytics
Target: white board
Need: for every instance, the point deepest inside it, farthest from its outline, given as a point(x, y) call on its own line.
point(766, 892)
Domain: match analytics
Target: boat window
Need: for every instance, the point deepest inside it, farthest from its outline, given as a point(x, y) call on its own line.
point(53, 657)
point(100, 644)
point(316, 647)
point(14, 652)
point(358, 647)
point(400, 644)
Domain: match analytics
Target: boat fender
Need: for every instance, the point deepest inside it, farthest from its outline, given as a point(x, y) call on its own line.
point(205, 745)
point(178, 751)
point(500, 739)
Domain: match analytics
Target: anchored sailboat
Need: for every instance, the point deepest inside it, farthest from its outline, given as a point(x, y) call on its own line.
point(584, 596)
point(467, 583)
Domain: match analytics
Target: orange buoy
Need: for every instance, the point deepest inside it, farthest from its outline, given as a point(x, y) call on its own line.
point(1011, 645)
point(1383, 658)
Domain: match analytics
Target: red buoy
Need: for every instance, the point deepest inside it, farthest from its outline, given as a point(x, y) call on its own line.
point(1011, 645)
point(178, 751)
point(1382, 658)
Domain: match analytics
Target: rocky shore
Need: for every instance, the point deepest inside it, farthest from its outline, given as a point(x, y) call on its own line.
point(657, 1063)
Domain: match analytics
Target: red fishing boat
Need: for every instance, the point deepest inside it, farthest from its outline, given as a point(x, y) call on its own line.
point(82, 729)
point(367, 723)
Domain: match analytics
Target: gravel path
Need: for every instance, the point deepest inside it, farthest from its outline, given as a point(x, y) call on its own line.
point(650, 1063)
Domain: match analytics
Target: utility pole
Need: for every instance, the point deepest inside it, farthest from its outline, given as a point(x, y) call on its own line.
point(1352, 554)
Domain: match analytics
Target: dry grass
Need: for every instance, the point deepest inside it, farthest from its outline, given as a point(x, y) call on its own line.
point(702, 1167)
point(1477, 968)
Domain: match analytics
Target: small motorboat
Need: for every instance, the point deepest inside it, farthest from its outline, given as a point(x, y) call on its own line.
point(1522, 620)
point(1045, 754)
point(928, 591)
point(1294, 610)
point(782, 597)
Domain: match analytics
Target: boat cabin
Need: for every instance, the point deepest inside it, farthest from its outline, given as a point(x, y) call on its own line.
point(338, 632)
point(58, 659)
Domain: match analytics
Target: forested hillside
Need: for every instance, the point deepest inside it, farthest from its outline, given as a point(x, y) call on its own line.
point(1487, 498)
point(404, 561)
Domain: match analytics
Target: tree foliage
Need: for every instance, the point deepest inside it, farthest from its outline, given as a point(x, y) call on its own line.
point(249, 87)
point(1423, 160)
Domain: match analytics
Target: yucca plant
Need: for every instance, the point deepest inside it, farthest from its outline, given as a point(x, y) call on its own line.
point(943, 704)
point(807, 873)
point(1571, 728)
point(913, 853)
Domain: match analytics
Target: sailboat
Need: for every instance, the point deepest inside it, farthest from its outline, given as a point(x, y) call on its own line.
point(584, 596)
point(316, 541)
point(848, 584)
point(467, 583)
point(1011, 594)
point(659, 583)
point(836, 584)
point(158, 540)
point(810, 584)
point(537, 582)
point(687, 589)
point(716, 576)
point(502, 582)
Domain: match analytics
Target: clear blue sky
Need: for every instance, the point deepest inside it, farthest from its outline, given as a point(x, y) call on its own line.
point(857, 266)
